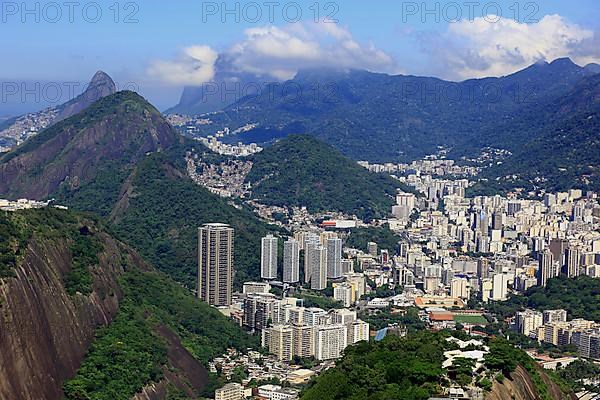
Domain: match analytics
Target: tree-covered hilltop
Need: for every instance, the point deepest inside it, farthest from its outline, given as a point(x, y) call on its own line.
point(411, 368)
point(303, 171)
point(579, 296)
point(385, 238)
point(396, 368)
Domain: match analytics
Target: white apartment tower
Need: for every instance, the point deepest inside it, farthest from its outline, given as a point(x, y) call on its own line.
point(310, 256)
point(546, 268)
point(334, 258)
point(268, 260)
point(330, 341)
point(291, 261)
point(318, 278)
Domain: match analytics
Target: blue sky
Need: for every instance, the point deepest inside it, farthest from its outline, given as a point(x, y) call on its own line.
point(162, 46)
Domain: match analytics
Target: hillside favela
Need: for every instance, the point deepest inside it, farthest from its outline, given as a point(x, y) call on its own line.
point(300, 200)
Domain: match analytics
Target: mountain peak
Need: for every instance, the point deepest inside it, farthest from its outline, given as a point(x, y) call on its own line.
point(100, 75)
point(564, 62)
point(100, 86)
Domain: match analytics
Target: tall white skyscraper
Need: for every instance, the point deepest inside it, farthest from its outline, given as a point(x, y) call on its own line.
point(334, 258)
point(573, 262)
point(310, 257)
point(215, 264)
point(318, 279)
point(546, 269)
point(291, 261)
point(268, 259)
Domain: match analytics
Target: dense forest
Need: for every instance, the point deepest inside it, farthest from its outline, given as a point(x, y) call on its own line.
point(303, 171)
point(385, 238)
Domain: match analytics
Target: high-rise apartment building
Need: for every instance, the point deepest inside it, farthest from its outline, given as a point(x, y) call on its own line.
point(304, 341)
point(268, 259)
point(281, 342)
point(318, 278)
point(215, 264)
point(310, 256)
point(330, 341)
point(573, 262)
point(528, 321)
point(291, 261)
point(358, 331)
point(334, 258)
point(546, 269)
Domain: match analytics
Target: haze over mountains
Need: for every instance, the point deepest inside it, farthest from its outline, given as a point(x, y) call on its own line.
point(379, 117)
point(18, 129)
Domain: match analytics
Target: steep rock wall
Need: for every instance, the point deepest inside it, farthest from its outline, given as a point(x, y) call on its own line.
point(45, 332)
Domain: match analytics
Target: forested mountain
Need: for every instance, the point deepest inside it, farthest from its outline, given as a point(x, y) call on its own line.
point(379, 117)
point(303, 171)
point(122, 160)
point(564, 149)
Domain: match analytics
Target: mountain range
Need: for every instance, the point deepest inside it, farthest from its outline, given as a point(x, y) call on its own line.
point(384, 118)
point(378, 117)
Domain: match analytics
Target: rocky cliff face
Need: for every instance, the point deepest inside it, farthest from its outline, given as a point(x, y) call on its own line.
point(521, 387)
point(45, 332)
point(47, 327)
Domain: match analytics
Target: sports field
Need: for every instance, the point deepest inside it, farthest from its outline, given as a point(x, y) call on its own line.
point(470, 319)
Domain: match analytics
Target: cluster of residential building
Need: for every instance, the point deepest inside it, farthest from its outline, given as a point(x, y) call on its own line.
point(304, 332)
point(551, 326)
point(258, 368)
point(237, 150)
point(22, 204)
point(491, 246)
point(27, 126)
point(431, 165)
point(226, 179)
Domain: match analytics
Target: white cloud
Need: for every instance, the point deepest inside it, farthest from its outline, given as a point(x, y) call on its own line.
point(195, 66)
point(481, 48)
point(278, 52)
